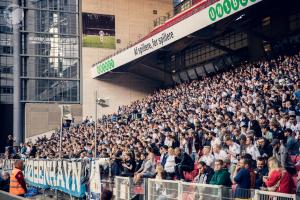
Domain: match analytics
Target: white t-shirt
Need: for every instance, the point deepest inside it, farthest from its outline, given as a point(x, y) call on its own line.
point(208, 159)
point(170, 164)
point(253, 151)
point(222, 155)
point(234, 149)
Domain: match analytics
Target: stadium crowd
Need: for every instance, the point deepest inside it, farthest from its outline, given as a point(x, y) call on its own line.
point(240, 127)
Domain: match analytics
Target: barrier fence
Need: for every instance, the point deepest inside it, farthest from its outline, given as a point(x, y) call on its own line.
point(125, 188)
point(79, 178)
point(189, 191)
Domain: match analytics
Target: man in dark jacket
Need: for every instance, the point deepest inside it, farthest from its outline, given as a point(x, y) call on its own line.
point(261, 171)
point(184, 162)
point(221, 175)
point(264, 148)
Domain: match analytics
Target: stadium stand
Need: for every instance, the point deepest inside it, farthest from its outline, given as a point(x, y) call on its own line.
point(239, 127)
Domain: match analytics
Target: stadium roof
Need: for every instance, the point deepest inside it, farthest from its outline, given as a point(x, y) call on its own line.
point(147, 57)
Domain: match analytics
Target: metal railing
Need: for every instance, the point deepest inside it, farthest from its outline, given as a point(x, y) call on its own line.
point(163, 189)
point(122, 188)
point(126, 189)
point(265, 195)
point(173, 190)
point(200, 191)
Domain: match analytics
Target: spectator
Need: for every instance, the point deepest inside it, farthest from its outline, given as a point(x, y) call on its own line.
point(278, 180)
point(233, 150)
point(128, 165)
point(139, 161)
point(170, 164)
point(205, 173)
point(281, 154)
point(265, 150)
point(163, 155)
point(184, 163)
point(266, 133)
point(10, 141)
point(221, 176)
point(261, 171)
point(160, 173)
point(207, 157)
point(292, 144)
point(251, 148)
point(242, 179)
point(147, 170)
point(4, 181)
point(17, 181)
point(219, 154)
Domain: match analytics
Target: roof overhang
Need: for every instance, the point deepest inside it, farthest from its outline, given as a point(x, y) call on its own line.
point(212, 13)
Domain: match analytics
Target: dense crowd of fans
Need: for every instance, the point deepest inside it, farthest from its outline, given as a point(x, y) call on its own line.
point(237, 127)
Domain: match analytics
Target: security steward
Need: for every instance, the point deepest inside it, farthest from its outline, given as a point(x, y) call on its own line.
point(17, 181)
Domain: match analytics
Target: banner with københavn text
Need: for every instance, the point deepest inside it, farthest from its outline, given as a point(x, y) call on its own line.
point(64, 175)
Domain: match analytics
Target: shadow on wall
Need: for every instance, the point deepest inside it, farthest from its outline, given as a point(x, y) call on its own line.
point(6, 124)
point(128, 80)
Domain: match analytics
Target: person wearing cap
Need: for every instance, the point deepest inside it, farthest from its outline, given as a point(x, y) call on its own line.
point(280, 152)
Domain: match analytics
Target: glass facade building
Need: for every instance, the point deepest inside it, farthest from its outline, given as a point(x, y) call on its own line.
point(6, 56)
point(49, 50)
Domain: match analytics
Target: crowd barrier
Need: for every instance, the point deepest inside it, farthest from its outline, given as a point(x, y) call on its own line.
point(177, 190)
point(125, 188)
point(80, 177)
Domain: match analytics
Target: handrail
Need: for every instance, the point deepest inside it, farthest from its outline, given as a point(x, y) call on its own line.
point(277, 194)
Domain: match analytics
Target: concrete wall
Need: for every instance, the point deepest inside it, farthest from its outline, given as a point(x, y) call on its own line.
point(41, 118)
point(134, 19)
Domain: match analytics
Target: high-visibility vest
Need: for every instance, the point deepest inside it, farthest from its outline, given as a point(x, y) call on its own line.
point(14, 186)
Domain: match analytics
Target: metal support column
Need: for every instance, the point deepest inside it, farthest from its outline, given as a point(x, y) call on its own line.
point(17, 109)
